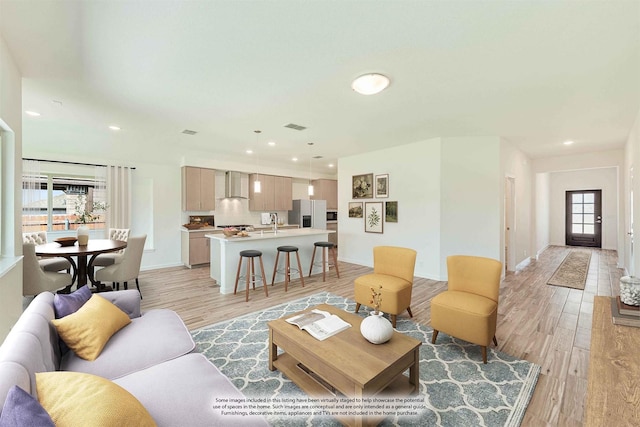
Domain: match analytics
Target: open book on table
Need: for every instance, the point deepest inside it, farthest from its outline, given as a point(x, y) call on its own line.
point(320, 324)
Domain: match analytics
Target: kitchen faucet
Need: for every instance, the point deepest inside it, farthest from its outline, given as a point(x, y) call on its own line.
point(274, 221)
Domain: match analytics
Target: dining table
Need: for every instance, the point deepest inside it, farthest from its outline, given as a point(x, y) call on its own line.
point(86, 254)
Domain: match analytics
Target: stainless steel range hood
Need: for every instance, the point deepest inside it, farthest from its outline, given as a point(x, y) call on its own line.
point(233, 185)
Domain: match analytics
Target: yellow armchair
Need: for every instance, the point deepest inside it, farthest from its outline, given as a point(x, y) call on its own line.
point(393, 270)
point(469, 308)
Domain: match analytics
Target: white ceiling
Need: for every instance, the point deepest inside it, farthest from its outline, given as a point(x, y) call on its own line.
point(536, 73)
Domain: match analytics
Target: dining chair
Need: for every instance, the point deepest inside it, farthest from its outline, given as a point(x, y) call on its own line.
point(128, 268)
point(52, 264)
point(35, 280)
point(104, 260)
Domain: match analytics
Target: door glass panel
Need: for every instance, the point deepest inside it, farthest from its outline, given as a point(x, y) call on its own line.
point(589, 229)
point(576, 228)
point(588, 208)
point(576, 219)
point(577, 208)
point(588, 219)
point(576, 198)
point(588, 198)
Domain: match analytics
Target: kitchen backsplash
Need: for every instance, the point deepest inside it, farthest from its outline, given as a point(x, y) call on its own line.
point(233, 212)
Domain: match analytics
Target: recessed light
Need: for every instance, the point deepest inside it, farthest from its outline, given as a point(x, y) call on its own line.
point(249, 151)
point(32, 113)
point(370, 84)
point(568, 142)
point(330, 165)
point(113, 127)
point(294, 159)
point(271, 143)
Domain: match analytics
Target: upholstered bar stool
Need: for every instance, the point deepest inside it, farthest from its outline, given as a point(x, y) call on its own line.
point(325, 247)
point(250, 277)
point(287, 268)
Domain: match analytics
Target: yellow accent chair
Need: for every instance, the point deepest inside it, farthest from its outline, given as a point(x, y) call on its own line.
point(469, 308)
point(393, 270)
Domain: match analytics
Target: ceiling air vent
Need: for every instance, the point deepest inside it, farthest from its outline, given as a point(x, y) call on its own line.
point(295, 126)
point(317, 157)
point(189, 132)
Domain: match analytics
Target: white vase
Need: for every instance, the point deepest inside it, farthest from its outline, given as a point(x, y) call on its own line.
point(83, 235)
point(376, 329)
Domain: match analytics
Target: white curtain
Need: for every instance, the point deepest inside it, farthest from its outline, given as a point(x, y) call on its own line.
point(118, 197)
point(33, 198)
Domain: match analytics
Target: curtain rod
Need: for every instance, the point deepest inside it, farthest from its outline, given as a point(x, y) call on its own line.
point(69, 163)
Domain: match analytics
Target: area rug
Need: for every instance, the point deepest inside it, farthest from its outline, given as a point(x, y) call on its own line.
point(456, 388)
point(572, 272)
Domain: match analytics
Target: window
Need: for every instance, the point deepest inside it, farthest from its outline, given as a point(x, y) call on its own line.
point(61, 201)
point(583, 216)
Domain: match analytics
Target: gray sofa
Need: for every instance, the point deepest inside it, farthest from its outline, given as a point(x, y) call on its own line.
point(151, 358)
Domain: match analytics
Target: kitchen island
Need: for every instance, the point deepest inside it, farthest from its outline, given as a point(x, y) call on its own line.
point(225, 253)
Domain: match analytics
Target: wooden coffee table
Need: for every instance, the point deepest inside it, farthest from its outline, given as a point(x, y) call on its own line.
point(345, 362)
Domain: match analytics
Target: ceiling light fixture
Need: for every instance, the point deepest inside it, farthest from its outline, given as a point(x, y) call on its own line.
point(32, 113)
point(568, 142)
point(249, 151)
point(271, 144)
point(294, 159)
point(310, 188)
point(113, 127)
point(257, 186)
point(330, 165)
point(370, 84)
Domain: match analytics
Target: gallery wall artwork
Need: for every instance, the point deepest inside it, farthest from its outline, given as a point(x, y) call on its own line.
point(373, 217)
point(362, 186)
point(391, 212)
point(355, 209)
point(382, 185)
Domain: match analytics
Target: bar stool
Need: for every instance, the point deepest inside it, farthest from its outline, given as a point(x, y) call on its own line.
point(250, 255)
point(325, 248)
point(287, 269)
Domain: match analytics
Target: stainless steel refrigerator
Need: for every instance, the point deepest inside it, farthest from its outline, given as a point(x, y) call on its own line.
point(309, 213)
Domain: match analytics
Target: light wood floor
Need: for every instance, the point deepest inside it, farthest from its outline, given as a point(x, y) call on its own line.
point(547, 325)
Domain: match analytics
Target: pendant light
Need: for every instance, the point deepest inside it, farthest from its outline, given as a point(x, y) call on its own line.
point(257, 187)
point(310, 188)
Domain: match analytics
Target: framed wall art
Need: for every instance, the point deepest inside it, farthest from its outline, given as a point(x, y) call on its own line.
point(355, 209)
point(373, 217)
point(391, 212)
point(382, 185)
point(362, 186)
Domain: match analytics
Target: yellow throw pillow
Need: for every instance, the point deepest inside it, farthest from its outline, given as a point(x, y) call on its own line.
point(76, 399)
point(87, 331)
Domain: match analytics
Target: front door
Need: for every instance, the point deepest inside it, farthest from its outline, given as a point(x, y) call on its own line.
point(584, 218)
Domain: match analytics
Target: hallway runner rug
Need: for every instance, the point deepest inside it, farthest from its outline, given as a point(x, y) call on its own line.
point(456, 388)
point(572, 272)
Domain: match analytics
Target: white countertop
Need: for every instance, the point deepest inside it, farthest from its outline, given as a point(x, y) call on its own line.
point(262, 235)
point(219, 230)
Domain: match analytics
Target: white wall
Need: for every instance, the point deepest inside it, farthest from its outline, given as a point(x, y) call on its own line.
point(632, 160)
point(604, 179)
point(11, 153)
point(450, 201)
point(414, 182)
point(516, 165)
point(542, 215)
point(472, 198)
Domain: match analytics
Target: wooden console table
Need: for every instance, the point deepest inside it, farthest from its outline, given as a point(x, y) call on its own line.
point(613, 392)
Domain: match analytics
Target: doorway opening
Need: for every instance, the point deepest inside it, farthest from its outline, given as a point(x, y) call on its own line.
point(509, 224)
